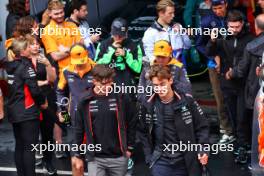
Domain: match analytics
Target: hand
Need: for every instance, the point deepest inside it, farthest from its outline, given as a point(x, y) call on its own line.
point(203, 159)
point(94, 38)
point(1, 115)
point(45, 105)
point(42, 83)
point(128, 154)
point(77, 163)
point(177, 27)
point(64, 49)
point(116, 45)
point(120, 52)
point(217, 68)
point(214, 34)
point(217, 61)
point(228, 75)
point(61, 119)
point(10, 55)
point(45, 18)
point(43, 60)
point(258, 70)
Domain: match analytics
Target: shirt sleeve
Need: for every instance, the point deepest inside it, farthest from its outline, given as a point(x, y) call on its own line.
point(49, 42)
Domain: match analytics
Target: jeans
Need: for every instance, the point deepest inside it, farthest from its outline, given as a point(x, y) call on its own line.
point(163, 168)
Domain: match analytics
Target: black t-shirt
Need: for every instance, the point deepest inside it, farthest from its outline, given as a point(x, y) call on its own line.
point(105, 127)
point(170, 135)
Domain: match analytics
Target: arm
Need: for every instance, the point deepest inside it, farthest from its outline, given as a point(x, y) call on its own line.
point(51, 73)
point(148, 41)
point(134, 59)
point(144, 133)
point(211, 48)
point(142, 84)
point(58, 55)
point(51, 47)
point(187, 43)
point(202, 39)
point(131, 122)
point(50, 70)
point(200, 123)
point(30, 79)
point(60, 92)
point(103, 54)
point(243, 66)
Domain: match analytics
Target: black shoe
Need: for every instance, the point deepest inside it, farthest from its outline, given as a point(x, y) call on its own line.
point(60, 154)
point(49, 168)
point(242, 157)
point(38, 155)
point(250, 167)
point(38, 162)
point(236, 151)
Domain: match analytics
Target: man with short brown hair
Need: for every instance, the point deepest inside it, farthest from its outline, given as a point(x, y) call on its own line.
point(173, 119)
point(108, 121)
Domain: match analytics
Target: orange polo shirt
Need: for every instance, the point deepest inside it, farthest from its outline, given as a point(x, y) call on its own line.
point(53, 36)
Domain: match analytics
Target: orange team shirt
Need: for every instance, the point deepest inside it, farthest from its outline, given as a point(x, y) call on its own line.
point(53, 36)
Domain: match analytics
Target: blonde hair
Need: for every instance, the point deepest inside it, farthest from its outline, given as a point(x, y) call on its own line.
point(19, 44)
point(31, 39)
point(55, 5)
point(162, 4)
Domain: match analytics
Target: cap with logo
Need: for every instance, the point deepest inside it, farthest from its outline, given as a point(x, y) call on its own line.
point(79, 55)
point(162, 48)
point(119, 27)
point(218, 2)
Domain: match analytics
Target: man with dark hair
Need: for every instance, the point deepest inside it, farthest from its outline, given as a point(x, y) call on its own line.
point(163, 56)
point(77, 79)
point(246, 68)
point(173, 119)
point(108, 121)
point(79, 12)
point(120, 53)
point(217, 20)
point(230, 51)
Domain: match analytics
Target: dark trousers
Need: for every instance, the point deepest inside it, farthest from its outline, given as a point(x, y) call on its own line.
point(239, 116)
point(46, 129)
point(163, 168)
point(26, 133)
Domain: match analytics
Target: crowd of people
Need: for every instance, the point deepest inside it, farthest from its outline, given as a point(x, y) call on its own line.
point(61, 80)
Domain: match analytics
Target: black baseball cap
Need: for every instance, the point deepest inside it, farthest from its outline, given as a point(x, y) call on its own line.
point(119, 27)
